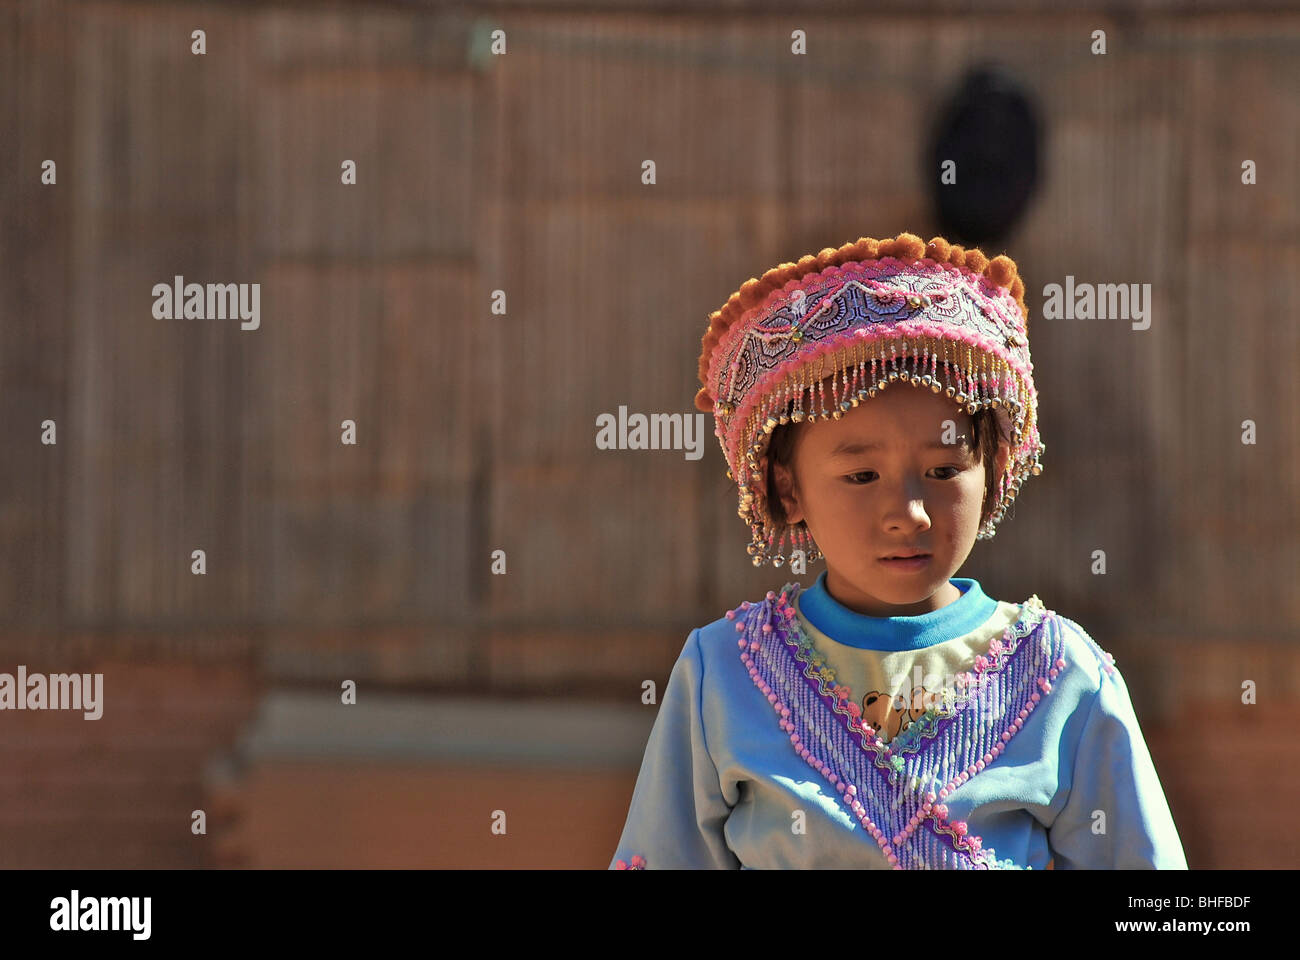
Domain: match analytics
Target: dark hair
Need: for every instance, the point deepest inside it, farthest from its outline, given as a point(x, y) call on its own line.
point(984, 428)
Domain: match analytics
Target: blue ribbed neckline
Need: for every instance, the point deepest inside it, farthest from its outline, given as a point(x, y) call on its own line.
point(855, 629)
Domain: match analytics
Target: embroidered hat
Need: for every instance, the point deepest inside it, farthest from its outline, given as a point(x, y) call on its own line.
point(867, 315)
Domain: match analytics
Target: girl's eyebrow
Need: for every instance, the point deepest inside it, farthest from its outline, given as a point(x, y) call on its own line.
point(846, 448)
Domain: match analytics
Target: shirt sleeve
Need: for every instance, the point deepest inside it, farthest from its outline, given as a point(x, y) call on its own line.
point(677, 813)
point(1113, 774)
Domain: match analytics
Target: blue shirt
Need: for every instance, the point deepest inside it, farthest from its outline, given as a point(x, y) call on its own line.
point(725, 782)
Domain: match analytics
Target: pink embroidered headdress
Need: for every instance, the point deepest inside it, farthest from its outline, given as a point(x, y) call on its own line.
point(869, 314)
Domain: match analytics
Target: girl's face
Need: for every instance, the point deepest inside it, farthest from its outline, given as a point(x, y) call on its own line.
point(880, 481)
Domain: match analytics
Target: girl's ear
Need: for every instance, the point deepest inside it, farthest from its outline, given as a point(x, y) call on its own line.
point(1004, 454)
point(785, 489)
point(999, 469)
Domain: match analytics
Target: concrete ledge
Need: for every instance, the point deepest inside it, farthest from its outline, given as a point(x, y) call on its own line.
point(391, 727)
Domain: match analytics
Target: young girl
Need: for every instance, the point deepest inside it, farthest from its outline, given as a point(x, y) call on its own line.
point(877, 408)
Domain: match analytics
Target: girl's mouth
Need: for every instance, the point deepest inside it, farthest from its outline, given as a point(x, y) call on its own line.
point(907, 564)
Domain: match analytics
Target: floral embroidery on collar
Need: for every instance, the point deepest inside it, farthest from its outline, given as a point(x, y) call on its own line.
point(954, 744)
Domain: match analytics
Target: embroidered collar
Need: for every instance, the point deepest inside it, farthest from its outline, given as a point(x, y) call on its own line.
point(897, 793)
point(855, 629)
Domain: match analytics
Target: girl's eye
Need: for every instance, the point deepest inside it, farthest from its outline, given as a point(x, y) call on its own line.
point(864, 473)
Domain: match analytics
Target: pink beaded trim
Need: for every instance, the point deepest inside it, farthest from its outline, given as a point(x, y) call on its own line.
point(767, 630)
point(638, 863)
point(1107, 661)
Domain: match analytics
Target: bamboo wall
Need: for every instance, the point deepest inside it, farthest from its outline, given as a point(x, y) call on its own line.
point(522, 173)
